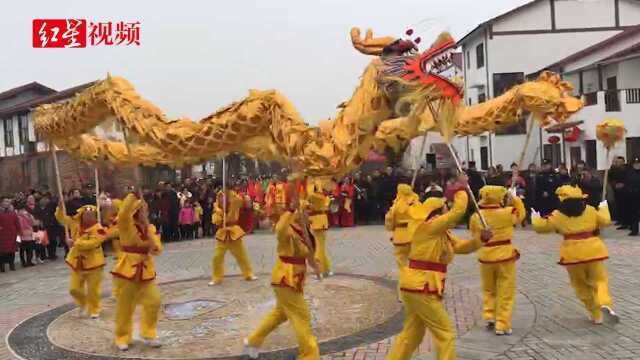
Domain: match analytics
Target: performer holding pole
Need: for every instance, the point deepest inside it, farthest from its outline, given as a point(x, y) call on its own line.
point(287, 279)
point(229, 236)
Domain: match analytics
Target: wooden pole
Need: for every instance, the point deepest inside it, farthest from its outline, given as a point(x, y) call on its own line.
point(136, 169)
point(52, 148)
point(415, 163)
point(605, 181)
point(524, 149)
point(97, 180)
point(459, 166)
point(224, 191)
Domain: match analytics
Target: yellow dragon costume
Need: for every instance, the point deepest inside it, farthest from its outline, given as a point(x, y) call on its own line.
point(229, 238)
point(85, 258)
point(318, 206)
point(498, 256)
point(134, 274)
point(582, 252)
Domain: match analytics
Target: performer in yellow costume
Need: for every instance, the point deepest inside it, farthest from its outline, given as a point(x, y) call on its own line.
point(287, 279)
point(111, 223)
point(229, 237)
point(498, 256)
point(276, 198)
point(422, 281)
point(582, 252)
point(318, 205)
point(134, 274)
point(397, 220)
point(85, 257)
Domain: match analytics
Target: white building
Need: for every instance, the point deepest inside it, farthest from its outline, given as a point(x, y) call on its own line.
point(500, 52)
point(607, 76)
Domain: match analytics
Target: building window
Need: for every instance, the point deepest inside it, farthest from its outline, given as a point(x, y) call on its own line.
point(480, 56)
point(23, 129)
point(42, 171)
point(482, 98)
point(26, 172)
point(8, 132)
point(468, 59)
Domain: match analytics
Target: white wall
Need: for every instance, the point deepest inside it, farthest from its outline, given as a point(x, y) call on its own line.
point(629, 76)
point(571, 13)
point(629, 12)
point(533, 52)
point(536, 16)
point(604, 52)
point(473, 75)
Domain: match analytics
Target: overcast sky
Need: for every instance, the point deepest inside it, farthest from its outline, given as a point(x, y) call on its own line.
point(196, 56)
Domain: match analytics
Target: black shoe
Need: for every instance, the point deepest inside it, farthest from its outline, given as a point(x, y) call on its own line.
point(54, 257)
point(633, 233)
point(12, 267)
point(29, 264)
point(2, 267)
point(622, 227)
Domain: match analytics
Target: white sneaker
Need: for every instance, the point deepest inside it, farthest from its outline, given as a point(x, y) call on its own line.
point(123, 347)
point(504, 332)
point(215, 283)
point(252, 278)
point(330, 273)
point(152, 343)
point(95, 316)
point(609, 315)
point(252, 351)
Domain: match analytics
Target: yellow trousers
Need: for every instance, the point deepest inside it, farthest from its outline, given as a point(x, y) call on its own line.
point(321, 255)
point(499, 292)
point(132, 293)
point(84, 287)
point(238, 251)
point(591, 284)
point(291, 306)
point(402, 258)
point(424, 311)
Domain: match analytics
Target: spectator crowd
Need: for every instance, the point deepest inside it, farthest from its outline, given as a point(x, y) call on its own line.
point(182, 211)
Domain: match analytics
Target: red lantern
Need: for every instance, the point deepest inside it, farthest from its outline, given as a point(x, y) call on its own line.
point(553, 139)
point(572, 134)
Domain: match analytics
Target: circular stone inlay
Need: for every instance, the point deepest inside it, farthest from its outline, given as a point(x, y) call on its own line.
point(201, 322)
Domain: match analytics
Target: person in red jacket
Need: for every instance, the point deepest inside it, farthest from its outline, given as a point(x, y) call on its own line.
point(247, 216)
point(347, 211)
point(9, 230)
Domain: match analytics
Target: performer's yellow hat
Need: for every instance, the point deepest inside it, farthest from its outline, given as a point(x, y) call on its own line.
point(83, 209)
point(422, 211)
point(570, 192)
point(492, 195)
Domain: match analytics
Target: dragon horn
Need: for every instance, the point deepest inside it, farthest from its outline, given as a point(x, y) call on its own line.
point(369, 45)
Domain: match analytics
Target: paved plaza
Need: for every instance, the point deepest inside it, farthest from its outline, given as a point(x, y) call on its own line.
point(549, 322)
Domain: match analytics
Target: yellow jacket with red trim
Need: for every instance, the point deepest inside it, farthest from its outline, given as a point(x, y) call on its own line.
point(397, 218)
point(232, 231)
point(290, 267)
point(432, 243)
point(318, 206)
point(138, 246)
point(501, 221)
point(86, 252)
point(582, 243)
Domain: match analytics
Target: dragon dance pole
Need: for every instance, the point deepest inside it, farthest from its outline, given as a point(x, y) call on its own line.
point(524, 149)
point(136, 169)
point(434, 114)
point(52, 147)
point(415, 162)
point(224, 191)
point(97, 180)
point(605, 181)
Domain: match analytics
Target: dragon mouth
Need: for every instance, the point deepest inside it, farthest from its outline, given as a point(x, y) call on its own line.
point(439, 64)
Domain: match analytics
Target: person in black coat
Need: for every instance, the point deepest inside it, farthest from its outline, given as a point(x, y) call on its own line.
point(617, 178)
point(633, 196)
point(591, 186)
point(546, 185)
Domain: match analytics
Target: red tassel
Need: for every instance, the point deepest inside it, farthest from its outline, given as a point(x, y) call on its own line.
point(417, 40)
point(409, 32)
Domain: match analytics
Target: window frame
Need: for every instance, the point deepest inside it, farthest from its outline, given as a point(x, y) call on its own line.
point(7, 124)
point(480, 56)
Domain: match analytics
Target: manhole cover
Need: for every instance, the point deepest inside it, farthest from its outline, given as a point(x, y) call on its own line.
point(190, 309)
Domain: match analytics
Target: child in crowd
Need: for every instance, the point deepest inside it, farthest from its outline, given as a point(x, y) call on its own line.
point(197, 219)
point(186, 220)
point(42, 241)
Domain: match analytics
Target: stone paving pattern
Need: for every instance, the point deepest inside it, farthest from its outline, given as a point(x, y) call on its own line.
point(549, 322)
